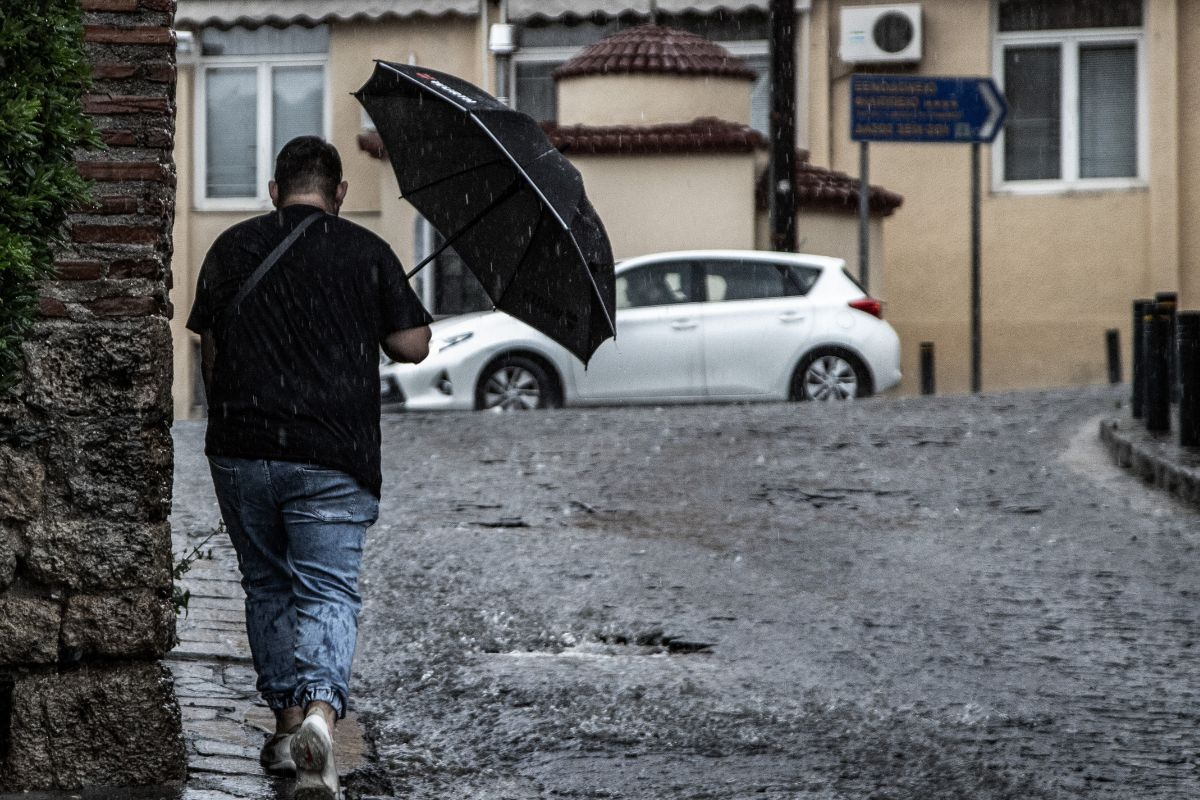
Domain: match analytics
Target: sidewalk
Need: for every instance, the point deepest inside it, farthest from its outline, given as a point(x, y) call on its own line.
point(1155, 457)
point(224, 722)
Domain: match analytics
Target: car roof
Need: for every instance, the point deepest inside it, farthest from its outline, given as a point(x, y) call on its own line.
point(801, 259)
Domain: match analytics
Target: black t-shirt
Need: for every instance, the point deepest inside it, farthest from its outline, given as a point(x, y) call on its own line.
point(296, 374)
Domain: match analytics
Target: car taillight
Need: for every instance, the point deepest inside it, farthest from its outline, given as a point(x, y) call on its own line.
point(869, 305)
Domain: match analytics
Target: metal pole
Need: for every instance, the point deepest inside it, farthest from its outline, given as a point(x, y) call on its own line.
point(1158, 375)
point(928, 382)
point(864, 217)
point(1112, 341)
point(1187, 324)
point(1170, 302)
point(1138, 376)
point(782, 172)
point(976, 290)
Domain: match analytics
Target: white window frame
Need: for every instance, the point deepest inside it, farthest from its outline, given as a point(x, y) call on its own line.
point(1069, 43)
point(537, 55)
point(265, 163)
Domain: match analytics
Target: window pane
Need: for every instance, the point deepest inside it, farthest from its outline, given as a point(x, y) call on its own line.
point(1043, 15)
point(760, 96)
point(745, 280)
point(1033, 133)
point(231, 107)
point(298, 100)
point(264, 41)
point(1108, 112)
point(536, 94)
point(655, 285)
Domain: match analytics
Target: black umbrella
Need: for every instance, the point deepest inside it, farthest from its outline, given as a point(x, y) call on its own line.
point(487, 178)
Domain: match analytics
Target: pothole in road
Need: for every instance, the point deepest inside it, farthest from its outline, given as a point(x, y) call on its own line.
point(657, 640)
point(610, 644)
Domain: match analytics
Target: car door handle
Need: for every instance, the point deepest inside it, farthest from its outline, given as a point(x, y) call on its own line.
point(791, 316)
point(684, 324)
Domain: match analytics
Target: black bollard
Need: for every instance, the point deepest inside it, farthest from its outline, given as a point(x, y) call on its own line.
point(928, 385)
point(1112, 339)
point(1157, 367)
point(1187, 325)
point(1138, 378)
point(1169, 302)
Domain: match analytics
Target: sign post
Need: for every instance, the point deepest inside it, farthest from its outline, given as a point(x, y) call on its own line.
point(919, 108)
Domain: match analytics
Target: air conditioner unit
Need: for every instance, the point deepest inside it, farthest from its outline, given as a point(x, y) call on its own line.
point(881, 34)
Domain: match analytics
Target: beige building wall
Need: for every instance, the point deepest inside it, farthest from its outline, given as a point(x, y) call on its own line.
point(449, 44)
point(1058, 270)
point(651, 99)
point(673, 202)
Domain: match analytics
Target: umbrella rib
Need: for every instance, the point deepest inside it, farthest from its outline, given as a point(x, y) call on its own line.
point(507, 193)
point(549, 207)
point(452, 176)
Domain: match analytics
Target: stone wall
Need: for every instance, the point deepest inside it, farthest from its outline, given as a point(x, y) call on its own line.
point(85, 452)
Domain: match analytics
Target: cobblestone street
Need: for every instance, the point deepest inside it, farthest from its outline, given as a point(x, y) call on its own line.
point(899, 598)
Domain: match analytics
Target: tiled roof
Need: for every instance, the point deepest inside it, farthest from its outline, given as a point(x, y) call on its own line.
point(824, 189)
point(252, 13)
point(707, 135)
point(817, 188)
point(655, 50)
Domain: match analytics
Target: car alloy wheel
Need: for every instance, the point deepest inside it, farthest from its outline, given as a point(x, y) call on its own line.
point(514, 384)
point(830, 377)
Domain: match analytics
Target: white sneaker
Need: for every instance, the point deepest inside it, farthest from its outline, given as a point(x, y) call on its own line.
point(312, 750)
point(276, 755)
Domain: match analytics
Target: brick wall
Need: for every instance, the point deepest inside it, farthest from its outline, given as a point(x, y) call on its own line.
point(85, 452)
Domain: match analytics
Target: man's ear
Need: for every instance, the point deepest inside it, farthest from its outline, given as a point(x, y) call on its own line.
point(340, 194)
point(273, 188)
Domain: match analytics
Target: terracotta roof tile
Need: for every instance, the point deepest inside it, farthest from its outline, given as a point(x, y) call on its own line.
point(706, 135)
point(829, 190)
point(655, 50)
point(816, 187)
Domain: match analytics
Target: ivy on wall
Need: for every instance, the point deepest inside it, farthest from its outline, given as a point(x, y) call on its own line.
point(43, 74)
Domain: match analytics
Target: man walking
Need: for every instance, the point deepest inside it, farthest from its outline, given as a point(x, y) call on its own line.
point(292, 308)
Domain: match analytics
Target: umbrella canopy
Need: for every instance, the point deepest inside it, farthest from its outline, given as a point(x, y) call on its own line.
point(487, 178)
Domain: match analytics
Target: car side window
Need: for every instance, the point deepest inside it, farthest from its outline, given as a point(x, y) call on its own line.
point(736, 279)
point(656, 285)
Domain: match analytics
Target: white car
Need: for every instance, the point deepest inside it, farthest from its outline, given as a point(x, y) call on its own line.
point(711, 325)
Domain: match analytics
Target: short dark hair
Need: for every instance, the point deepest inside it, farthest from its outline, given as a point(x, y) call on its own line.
point(308, 164)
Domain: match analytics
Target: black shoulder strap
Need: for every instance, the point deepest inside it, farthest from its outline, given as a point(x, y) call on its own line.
point(270, 260)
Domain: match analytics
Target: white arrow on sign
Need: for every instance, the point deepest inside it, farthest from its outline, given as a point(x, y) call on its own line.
point(995, 110)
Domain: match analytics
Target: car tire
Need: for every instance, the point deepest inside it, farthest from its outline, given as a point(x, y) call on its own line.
point(515, 383)
point(830, 374)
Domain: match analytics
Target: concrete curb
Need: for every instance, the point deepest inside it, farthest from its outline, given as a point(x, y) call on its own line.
point(1155, 458)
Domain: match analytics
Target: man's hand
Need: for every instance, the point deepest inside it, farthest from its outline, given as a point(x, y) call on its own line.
point(409, 346)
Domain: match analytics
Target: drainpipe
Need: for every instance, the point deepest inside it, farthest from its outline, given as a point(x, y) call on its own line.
point(485, 77)
point(502, 42)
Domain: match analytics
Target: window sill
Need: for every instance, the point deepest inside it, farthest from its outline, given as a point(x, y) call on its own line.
point(1040, 188)
point(232, 205)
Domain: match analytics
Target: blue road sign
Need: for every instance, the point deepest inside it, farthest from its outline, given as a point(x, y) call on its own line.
point(917, 108)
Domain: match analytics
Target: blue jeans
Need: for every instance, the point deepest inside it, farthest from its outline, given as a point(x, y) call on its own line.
point(298, 530)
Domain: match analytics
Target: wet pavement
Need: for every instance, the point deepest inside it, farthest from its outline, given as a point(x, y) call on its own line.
point(902, 598)
point(920, 598)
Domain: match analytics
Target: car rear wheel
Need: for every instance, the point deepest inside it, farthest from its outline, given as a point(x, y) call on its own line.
point(514, 383)
point(829, 375)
